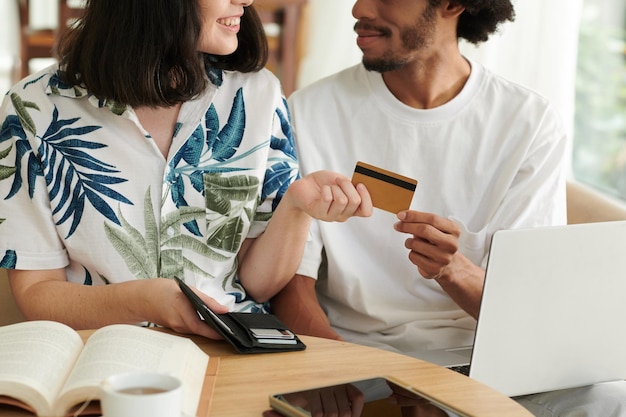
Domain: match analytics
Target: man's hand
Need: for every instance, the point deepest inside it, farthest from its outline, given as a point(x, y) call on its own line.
point(434, 249)
point(434, 244)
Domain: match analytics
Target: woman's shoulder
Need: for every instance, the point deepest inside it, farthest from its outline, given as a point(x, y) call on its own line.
point(29, 96)
point(262, 80)
point(44, 85)
point(35, 82)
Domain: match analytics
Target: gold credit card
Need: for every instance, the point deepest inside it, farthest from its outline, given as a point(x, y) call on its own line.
point(389, 191)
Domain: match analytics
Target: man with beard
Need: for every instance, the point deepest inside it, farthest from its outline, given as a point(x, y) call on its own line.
point(488, 155)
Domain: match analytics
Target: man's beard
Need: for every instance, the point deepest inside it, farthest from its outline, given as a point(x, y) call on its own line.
point(413, 39)
point(383, 64)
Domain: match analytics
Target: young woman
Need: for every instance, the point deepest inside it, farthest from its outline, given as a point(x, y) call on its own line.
point(158, 147)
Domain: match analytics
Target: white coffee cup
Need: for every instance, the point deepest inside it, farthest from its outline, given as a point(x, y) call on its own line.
point(141, 394)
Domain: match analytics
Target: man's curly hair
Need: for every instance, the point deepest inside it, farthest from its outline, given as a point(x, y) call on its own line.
point(481, 18)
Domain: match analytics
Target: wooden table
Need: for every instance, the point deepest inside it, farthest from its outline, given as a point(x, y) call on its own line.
point(245, 382)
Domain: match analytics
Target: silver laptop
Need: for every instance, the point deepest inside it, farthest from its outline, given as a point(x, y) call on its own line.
point(553, 310)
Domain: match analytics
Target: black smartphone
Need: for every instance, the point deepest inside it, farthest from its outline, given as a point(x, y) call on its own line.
point(247, 332)
point(208, 315)
point(366, 397)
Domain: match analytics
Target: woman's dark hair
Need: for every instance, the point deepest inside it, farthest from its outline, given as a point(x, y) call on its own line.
point(481, 18)
point(144, 52)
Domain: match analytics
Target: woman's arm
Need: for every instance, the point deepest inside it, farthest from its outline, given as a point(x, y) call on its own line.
point(47, 295)
point(271, 260)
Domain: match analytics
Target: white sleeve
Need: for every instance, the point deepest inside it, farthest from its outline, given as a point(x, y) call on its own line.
point(312, 256)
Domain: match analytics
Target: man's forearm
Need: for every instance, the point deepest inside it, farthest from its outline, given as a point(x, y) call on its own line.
point(297, 306)
point(463, 281)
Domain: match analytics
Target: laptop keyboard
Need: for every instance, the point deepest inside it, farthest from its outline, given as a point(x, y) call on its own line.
point(462, 369)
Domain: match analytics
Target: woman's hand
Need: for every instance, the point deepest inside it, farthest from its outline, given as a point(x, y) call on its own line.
point(172, 309)
point(330, 196)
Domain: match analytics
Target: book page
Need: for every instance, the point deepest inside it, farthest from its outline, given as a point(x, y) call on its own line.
point(35, 359)
point(124, 348)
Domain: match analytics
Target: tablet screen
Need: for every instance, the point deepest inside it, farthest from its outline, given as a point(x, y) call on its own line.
point(378, 396)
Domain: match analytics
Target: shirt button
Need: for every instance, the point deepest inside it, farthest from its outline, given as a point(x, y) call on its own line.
point(170, 231)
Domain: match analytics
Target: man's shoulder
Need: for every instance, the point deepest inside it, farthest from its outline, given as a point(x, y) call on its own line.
point(508, 89)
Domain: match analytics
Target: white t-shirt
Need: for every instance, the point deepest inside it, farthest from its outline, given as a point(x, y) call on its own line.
point(492, 158)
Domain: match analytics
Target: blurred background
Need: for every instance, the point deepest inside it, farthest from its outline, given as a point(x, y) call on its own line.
point(571, 51)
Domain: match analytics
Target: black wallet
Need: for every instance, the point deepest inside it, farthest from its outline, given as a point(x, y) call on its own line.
point(247, 332)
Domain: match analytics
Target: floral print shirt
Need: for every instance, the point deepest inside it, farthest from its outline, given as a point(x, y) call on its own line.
point(84, 187)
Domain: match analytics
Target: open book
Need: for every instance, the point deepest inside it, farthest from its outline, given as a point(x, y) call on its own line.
point(46, 368)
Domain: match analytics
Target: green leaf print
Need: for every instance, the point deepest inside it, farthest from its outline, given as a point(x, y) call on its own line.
point(175, 219)
point(6, 152)
point(221, 190)
point(157, 253)
point(140, 253)
point(228, 236)
point(152, 241)
point(20, 109)
point(116, 108)
point(133, 252)
point(230, 278)
point(183, 215)
point(227, 200)
point(6, 171)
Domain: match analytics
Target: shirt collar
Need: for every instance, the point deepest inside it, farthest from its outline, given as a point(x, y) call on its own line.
point(56, 86)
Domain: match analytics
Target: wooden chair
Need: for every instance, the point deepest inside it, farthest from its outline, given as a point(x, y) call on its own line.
point(284, 22)
point(585, 205)
point(40, 42)
point(34, 43)
point(69, 12)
